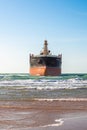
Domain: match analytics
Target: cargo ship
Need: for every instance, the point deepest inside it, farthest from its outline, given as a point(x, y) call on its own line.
point(45, 64)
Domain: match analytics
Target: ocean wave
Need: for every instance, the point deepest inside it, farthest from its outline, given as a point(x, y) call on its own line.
point(45, 84)
point(21, 81)
point(25, 76)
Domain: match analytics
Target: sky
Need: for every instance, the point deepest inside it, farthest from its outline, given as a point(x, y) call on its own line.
point(25, 24)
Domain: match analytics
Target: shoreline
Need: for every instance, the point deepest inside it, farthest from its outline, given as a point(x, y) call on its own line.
point(41, 103)
point(43, 114)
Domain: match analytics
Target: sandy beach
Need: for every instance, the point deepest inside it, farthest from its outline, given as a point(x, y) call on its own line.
point(43, 115)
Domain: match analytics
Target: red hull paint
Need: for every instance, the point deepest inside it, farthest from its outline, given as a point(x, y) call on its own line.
point(45, 71)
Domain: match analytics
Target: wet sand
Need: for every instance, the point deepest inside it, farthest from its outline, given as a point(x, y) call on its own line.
point(43, 115)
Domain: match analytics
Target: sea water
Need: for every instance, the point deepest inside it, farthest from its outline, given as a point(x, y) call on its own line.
point(22, 86)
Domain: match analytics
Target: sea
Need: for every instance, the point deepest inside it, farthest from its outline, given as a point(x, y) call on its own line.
point(22, 86)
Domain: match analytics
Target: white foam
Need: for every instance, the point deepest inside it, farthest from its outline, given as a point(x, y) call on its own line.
point(44, 84)
point(58, 122)
point(62, 99)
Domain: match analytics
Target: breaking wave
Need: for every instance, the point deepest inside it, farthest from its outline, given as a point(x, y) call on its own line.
point(65, 81)
point(23, 86)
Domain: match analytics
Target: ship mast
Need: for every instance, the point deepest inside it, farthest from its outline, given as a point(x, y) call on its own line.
point(45, 49)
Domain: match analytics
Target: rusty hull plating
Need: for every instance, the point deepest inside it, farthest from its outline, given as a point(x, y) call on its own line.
point(45, 64)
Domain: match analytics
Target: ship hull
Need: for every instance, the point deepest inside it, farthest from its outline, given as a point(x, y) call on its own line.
point(45, 64)
point(45, 71)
